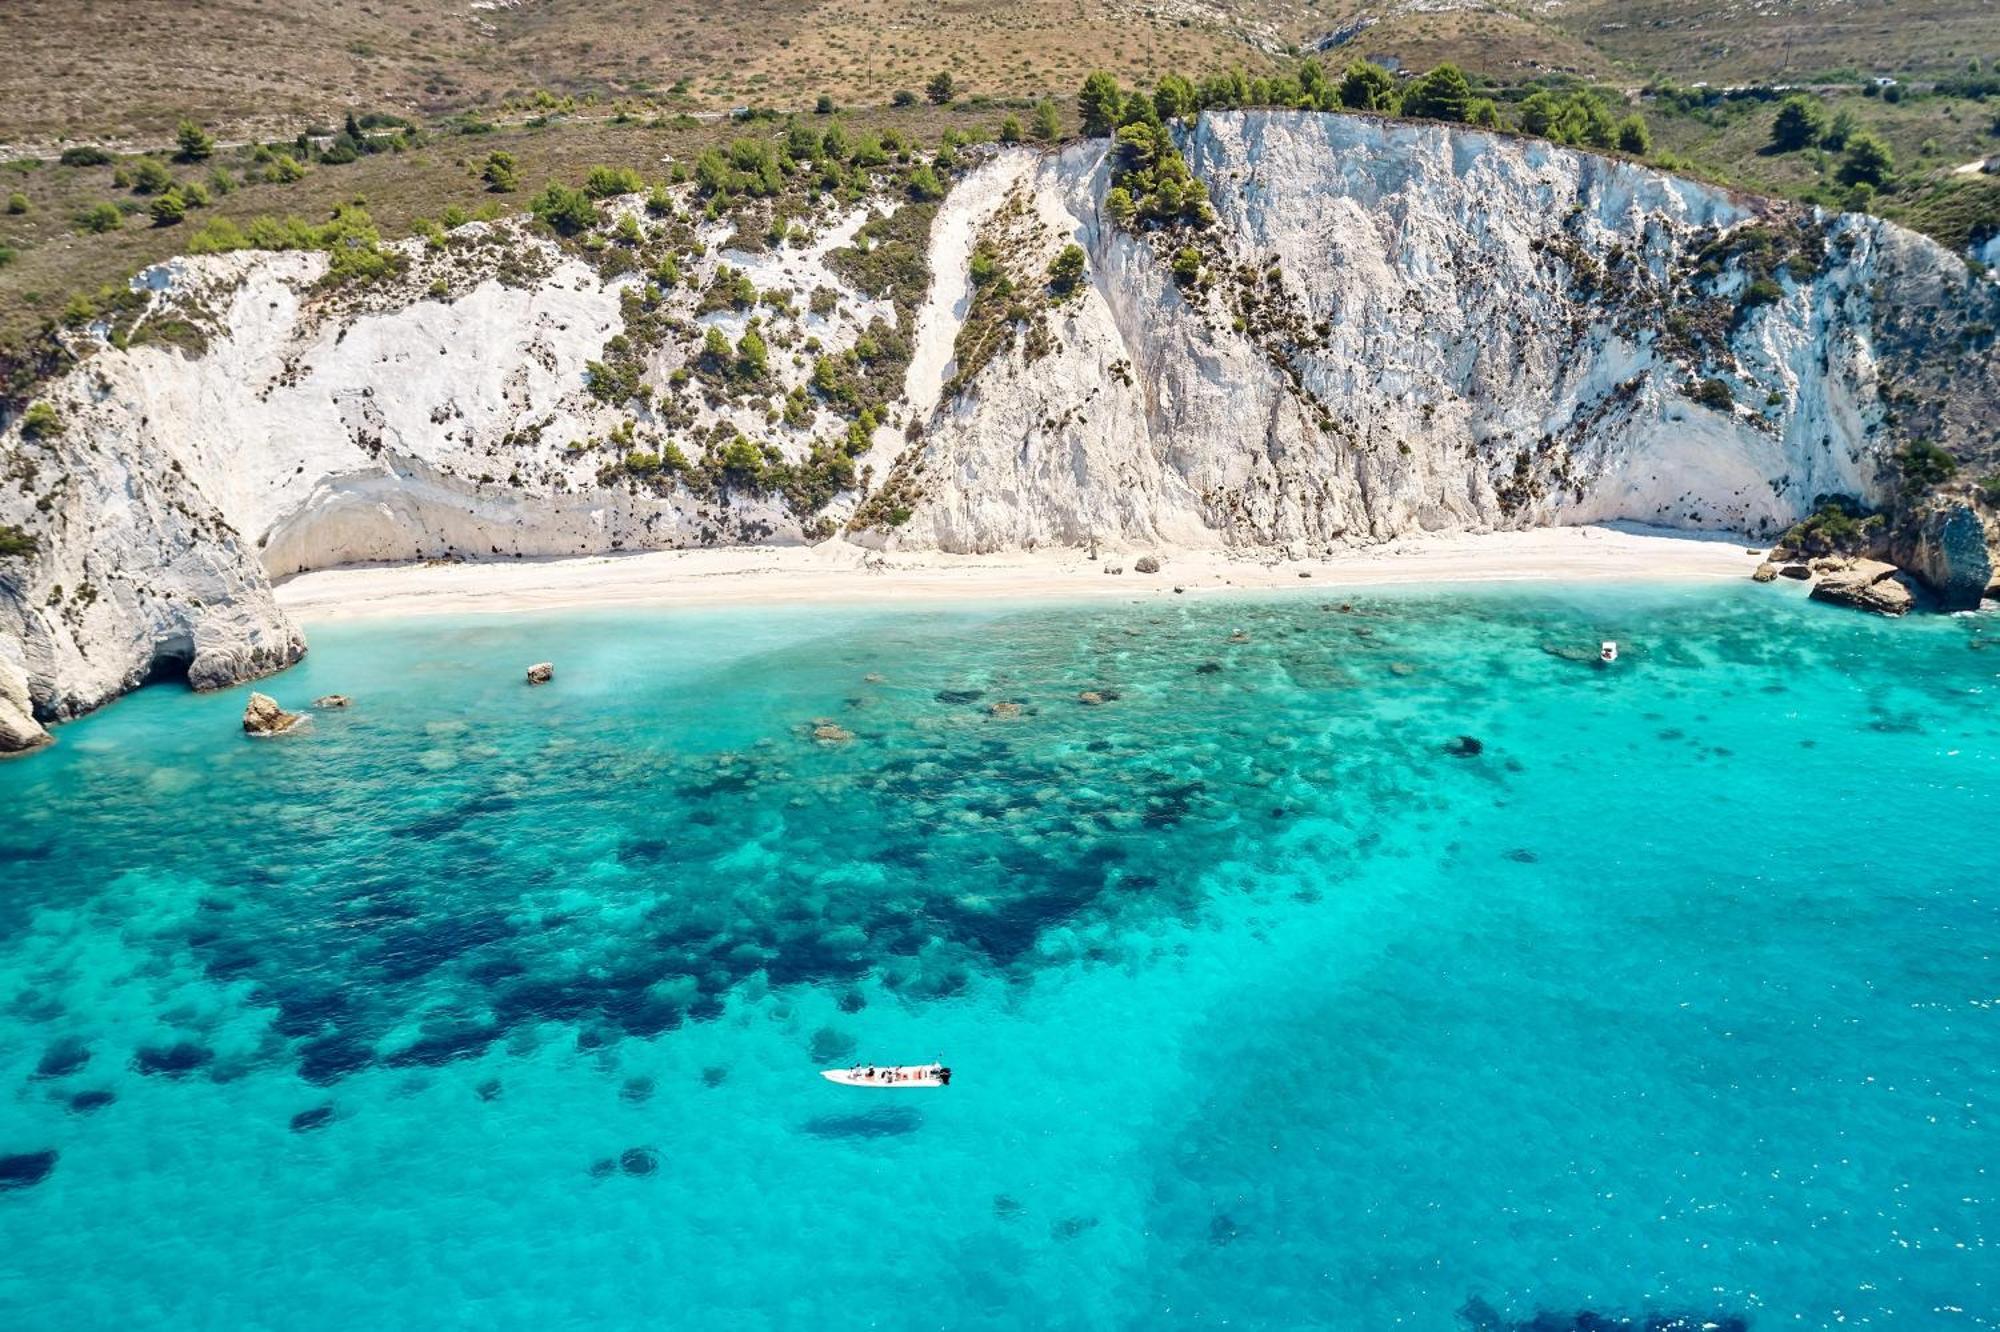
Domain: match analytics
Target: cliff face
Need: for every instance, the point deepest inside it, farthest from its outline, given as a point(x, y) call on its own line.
point(1408, 327)
point(1389, 328)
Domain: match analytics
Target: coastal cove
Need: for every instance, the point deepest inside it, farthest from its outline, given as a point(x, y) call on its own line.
point(1269, 998)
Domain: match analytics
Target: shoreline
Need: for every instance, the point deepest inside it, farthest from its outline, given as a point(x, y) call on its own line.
point(836, 572)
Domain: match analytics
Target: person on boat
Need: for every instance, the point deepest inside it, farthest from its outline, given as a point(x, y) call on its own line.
point(943, 1076)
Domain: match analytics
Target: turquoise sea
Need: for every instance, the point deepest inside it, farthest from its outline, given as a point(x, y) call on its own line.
point(1273, 1001)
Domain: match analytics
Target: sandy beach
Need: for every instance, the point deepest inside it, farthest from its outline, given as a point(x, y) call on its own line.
point(838, 572)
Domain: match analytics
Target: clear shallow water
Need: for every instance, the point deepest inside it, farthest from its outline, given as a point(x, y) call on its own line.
point(488, 1005)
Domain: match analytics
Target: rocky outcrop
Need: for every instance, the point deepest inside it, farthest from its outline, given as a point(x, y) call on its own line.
point(1949, 541)
point(541, 673)
point(19, 730)
point(332, 701)
point(1869, 585)
point(263, 716)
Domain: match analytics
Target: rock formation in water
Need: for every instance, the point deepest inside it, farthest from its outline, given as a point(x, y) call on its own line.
point(1389, 328)
point(263, 716)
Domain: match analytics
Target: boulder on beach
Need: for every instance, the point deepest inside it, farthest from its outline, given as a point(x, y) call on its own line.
point(332, 701)
point(1766, 572)
point(1798, 571)
point(1146, 564)
point(263, 716)
point(1869, 585)
point(541, 672)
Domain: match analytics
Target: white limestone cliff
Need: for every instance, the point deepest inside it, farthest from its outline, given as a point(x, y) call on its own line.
point(1399, 328)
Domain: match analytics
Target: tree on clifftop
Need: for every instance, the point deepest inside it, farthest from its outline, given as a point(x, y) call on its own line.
point(1442, 94)
point(1100, 104)
point(1368, 87)
point(1800, 123)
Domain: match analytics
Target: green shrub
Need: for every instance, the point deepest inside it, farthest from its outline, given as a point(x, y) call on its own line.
point(1633, 137)
point(40, 421)
point(824, 105)
point(100, 218)
point(1066, 270)
point(566, 210)
point(150, 176)
point(1011, 131)
point(924, 185)
point(1187, 266)
point(1761, 291)
point(169, 209)
point(903, 97)
point(1714, 393)
point(1868, 162)
point(606, 182)
point(84, 155)
point(1922, 465)
point(1368, 87)
point(752, 356)
point(941, 88)
point(1442, 94)
point(15, 542)
point(1048, 121)
point(1800, 123)
point(193, 143)
point(1840, 524)
point(1100, 104)
point(17, 203)
point(7, 255)
point(501, 174)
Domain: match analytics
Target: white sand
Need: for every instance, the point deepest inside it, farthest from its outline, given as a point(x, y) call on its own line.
point(837, 572)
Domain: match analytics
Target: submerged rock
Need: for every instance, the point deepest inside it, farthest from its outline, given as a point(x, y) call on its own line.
point(24, 1170)
point(827, 733)
point(305, 1121)
point(1090, 698)
point(541, 672)
point(639, 1160)
point(1005, 709)
point(332, 701)
point(1465, 746)
point(263, 716)
point(1868, 585)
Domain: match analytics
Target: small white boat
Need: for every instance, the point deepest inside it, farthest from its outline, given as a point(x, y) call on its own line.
point(884, 1075)
point(1608, 653)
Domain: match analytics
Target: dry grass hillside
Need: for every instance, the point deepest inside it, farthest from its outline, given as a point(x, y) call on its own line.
point(130, 69)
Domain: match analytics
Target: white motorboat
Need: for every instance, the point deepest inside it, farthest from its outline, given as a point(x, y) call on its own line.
point(1608, 653)
point(885, 1075)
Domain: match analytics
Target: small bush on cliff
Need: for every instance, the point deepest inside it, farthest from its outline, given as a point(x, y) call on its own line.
point(1839, 525)
point(1922, 465)
point(1714, 393)
point(13, 542)
point(1066, 270)
point(40, 421)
